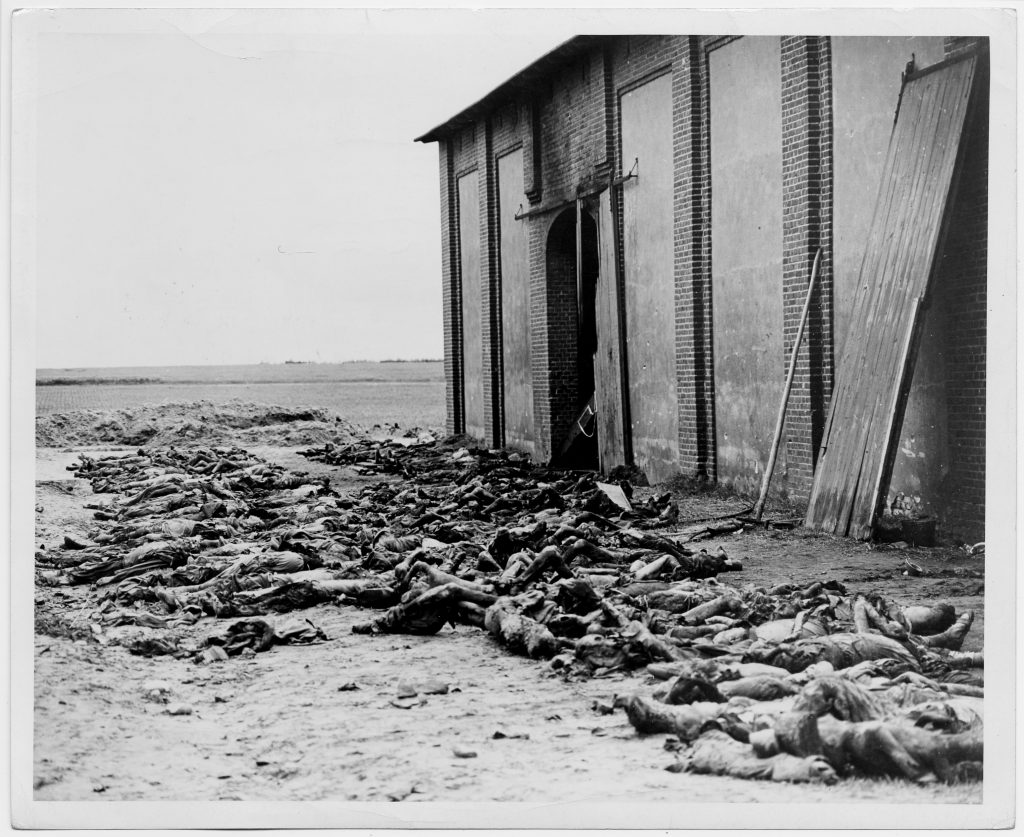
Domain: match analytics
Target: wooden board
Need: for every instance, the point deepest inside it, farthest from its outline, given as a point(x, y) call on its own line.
point(873, 377)
point(607, 360)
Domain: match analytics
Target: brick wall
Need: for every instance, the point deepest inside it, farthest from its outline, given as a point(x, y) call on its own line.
point(461, 159)
point(510, 130)
point(490, 294)
point(963, 274)
point(698, 453)
point(956, 44)
point(476, 148)
point(634, 59)
point(573, 148)
point(807, 226)
point(539, 334)
point(568, 128)
point(561, 302)
point(572, 127)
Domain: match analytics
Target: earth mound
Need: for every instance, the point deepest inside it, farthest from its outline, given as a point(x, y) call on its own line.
point(199, 422)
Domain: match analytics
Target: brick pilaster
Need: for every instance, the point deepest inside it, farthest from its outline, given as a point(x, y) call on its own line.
point(963, 276)
point(692, 248)
point(490, 295)
point(451, 300)
point(953, 45)
point(806, 226)
point(532, 156)
point(539, 333)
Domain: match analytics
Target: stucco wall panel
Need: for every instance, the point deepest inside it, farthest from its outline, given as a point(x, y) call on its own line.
point(922, 456)
point(648, 250)
point(866, 85)
point(517, 371)
point(746, 255)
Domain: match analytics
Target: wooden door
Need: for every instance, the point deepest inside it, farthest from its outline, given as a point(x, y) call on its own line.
point(866, 412)
point(608, 389)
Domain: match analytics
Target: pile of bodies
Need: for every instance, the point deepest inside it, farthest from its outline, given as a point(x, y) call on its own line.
point(789, 683)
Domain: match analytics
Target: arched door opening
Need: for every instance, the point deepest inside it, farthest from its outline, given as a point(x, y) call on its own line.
point(572, 337)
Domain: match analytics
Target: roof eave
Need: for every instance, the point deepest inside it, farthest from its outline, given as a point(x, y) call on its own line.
point(517, 83)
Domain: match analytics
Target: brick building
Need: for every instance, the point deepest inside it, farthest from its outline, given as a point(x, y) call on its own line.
point(633, 220)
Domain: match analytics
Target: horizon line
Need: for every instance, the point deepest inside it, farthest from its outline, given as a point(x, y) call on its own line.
point(250, 363)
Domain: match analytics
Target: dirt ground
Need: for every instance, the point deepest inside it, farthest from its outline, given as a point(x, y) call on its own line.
point(317, 722)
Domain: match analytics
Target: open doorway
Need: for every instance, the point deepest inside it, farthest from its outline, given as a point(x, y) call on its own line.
point(572, 337)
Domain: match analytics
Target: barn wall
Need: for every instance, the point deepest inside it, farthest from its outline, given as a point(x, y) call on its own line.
point(572, 128)
point(458, 158)
point(746, 255)
point(577, 121)
point(730, 274)
point(635, 59)
point(569, 123)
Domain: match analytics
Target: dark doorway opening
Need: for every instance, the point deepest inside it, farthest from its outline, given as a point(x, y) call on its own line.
point(572, 337)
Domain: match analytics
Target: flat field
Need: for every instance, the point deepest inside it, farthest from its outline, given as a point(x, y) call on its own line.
point(366, 393)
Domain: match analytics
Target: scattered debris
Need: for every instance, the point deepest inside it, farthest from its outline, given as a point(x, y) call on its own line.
point(213, 654)
point(616, 494)
point(178, 709)
point(499, 734)
point(551, 567)
point(158, 691)
point(400, 793)
point(905, 529)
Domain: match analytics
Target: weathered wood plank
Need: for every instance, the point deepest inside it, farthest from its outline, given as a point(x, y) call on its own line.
point(607, 361)
point(874, 375)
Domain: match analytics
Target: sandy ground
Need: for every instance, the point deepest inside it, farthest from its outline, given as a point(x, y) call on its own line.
point(279, 726)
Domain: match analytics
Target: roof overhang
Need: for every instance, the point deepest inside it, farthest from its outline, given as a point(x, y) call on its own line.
point(523, 81)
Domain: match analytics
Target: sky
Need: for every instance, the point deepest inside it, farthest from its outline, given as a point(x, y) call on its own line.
point(244, 187)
